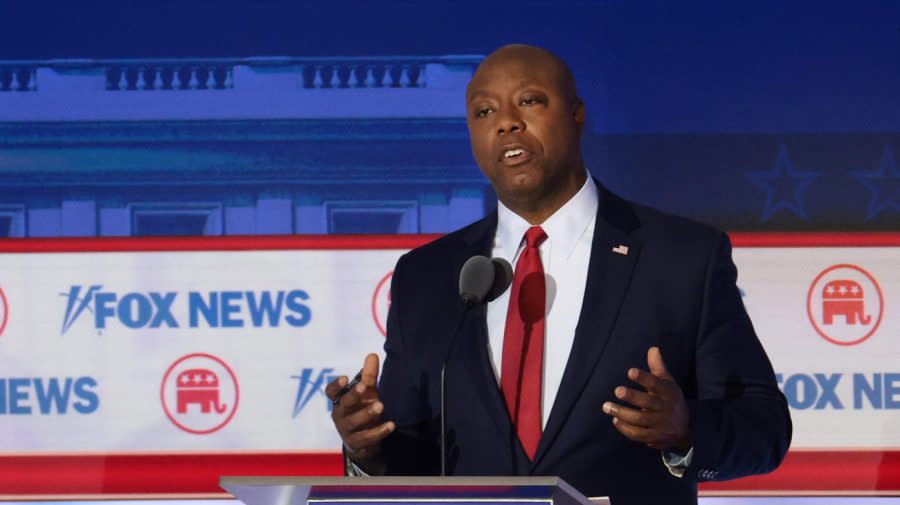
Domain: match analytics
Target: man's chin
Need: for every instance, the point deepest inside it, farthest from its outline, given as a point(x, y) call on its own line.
point(526, 181)
point(522, 195)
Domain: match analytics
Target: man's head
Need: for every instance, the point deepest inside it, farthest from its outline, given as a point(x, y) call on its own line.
point(525, 122)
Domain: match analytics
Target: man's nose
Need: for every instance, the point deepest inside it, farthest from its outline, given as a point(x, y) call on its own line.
point(510, 121)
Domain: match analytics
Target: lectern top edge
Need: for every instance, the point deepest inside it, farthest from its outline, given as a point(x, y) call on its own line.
point(286, 490)
point(391, 481)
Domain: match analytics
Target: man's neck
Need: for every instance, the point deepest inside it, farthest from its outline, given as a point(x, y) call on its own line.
point(537, 211)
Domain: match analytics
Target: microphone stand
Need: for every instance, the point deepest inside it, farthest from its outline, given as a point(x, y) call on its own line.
point(444, 420)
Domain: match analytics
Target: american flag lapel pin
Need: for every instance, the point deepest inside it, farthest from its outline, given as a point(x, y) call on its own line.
point(621, 249)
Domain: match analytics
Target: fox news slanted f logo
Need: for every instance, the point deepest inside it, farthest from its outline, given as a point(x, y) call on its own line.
point(311, 383)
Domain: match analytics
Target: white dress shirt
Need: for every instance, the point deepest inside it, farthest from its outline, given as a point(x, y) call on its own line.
point(565, 255)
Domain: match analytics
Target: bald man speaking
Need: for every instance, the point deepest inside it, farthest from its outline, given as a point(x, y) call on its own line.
point(621, 358)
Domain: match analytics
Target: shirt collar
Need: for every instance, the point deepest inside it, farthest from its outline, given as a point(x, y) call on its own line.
point(563, 228)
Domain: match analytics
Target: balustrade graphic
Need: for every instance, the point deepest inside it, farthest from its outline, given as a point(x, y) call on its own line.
point(169, 77)
point(234, 88)
point(212, 75)
point(361, 74)
point(18, 78)
point(219, 73)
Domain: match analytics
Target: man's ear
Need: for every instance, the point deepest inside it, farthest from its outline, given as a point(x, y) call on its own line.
point(579, 113)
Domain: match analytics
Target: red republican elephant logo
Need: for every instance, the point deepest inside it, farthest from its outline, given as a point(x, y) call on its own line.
point(381, 302)
point(4, 311)
point(199, 393)
point(201, 387)
point(845, 304)
point(844, 297)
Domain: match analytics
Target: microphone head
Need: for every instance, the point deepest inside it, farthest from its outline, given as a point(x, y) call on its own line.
point(503, 277)
point(475, 280)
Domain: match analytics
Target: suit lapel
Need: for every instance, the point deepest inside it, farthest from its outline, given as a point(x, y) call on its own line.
point(474, 347)
point(609, 274)
point(480, 370)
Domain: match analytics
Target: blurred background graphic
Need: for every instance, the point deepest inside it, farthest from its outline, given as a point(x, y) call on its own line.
point(280, 117)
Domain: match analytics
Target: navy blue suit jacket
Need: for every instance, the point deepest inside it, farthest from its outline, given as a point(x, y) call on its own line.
point(674, 289)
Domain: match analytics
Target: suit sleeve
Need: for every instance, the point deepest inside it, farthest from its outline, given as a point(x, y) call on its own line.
point(412, 448)
point(739, 418)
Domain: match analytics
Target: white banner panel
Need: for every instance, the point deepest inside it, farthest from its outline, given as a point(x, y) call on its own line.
point(183, 351)
point(216, 360)
point(829, 318)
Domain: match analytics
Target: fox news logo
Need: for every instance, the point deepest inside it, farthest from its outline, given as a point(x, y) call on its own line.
point(311, 384)
point(48, 395)
point(839, 391)
point(212, 309)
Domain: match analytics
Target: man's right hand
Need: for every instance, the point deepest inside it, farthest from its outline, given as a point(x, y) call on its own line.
point(357, 417)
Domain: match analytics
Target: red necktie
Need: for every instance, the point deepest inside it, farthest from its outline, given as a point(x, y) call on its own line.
point(523, 343)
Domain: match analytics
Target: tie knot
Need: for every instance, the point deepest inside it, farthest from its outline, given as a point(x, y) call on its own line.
point(535, 236)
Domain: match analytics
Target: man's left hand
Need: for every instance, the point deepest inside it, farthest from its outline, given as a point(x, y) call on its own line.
point(661, 418)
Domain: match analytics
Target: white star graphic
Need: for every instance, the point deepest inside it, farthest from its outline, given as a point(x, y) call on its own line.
point(210, 378)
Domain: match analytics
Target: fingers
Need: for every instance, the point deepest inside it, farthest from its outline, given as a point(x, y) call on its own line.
point(357, 414)
point(370, 371)
point(658, 380)
point(368, 377)
point(356, 398)
point(657, 417)
point(644, 418)
point(656, 363)
point(639, 398)
point(369, 437)
point(362, 418)
point(333, 387)
point(636, 433)
point(647, 380)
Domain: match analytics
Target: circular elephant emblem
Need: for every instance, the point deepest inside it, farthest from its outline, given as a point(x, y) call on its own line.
point(4, 311)
point(381, 302)
point(199, 393)
point(845, 304)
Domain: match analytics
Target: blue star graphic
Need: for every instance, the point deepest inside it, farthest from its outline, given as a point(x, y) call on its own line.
point(785, 186)
point(883, 183)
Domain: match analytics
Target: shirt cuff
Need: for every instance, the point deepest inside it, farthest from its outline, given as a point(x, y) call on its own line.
point(351, 468)
point(676, 463)
point(355, 471)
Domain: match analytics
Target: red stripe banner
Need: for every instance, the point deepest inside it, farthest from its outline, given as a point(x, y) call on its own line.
point(153, 475)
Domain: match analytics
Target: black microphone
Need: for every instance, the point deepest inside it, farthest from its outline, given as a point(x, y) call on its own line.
point(481, 279)
point(503, 277)
point(475, 280)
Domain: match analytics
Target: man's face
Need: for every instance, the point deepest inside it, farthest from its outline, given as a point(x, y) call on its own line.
point(524, 125)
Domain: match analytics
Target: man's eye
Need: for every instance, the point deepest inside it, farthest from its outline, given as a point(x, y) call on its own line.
point(528, 101)
point(482, 112)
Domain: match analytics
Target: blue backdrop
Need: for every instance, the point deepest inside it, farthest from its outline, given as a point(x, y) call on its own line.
point(277, 117)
